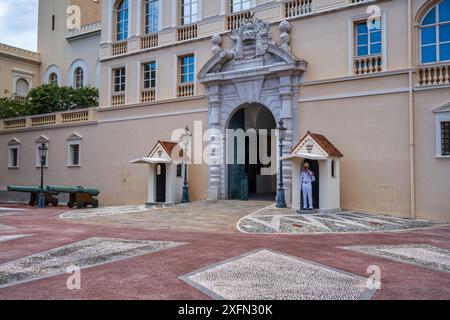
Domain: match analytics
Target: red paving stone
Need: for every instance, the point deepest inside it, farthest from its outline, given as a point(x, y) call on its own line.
point(155, 276)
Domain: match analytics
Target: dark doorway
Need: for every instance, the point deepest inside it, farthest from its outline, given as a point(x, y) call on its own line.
point(256, 117)
point(314, 167)
point(161, 183)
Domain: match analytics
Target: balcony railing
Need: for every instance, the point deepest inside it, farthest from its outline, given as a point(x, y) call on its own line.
point(119, 48)
point(187, 32)
point(433, 75)
point(296, 8)
point(148, 95)
point(149, 41)
point(44, 120)
point(118, 99)
point(235, 20)
point(368, 64)
point(14, 123)
point(21, 99)
point(61, 118)
point(185, 90)
point(77, 116)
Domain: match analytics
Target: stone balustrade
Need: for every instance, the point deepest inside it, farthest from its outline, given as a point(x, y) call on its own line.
point(187, 32)
point(118, 99)
point(296, 8)
point(119, 48)
point(368, 64)
point(433, 75)
point(53, 119)
point(148, 95)
point(234, 21)
point(149, 41)
point(185, 90)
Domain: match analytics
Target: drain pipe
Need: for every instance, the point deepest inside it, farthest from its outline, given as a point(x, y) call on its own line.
point(412, 164)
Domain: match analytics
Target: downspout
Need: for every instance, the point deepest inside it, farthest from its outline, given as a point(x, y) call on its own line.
point(412, 164)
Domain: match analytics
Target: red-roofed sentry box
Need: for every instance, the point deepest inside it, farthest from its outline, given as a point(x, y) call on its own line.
point(324, 160)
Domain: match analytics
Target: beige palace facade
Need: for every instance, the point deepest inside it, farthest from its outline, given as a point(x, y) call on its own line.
point(371, 76)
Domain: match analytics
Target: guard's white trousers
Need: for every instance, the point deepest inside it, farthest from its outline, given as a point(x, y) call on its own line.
point(307, 195)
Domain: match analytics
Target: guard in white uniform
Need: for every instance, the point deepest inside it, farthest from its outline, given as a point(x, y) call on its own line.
point(307, 178)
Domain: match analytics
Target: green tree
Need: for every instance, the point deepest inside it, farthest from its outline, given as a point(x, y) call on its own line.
point(48, 99)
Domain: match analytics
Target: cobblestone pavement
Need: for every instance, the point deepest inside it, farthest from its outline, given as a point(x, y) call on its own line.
point(274, 220)
point(422, 255)
point(206, 256)
point(204, 216)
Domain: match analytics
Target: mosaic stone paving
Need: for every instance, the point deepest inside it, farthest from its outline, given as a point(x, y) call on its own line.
point(420, 255)
point(14, 237)
point(273, 220)
point(102, 212)
point(84, 254)
point(268, 275)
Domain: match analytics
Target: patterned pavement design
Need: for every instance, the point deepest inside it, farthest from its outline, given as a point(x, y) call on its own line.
point(102, 212)
point(84, 254)
point(273, 220)
point(270, 275)
point(420, 255)
point(14, 237)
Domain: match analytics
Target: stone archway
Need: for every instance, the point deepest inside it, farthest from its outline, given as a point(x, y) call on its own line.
point(254, 70)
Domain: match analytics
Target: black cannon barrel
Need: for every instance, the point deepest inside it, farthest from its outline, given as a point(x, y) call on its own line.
point(72, 190)
point(27, 189)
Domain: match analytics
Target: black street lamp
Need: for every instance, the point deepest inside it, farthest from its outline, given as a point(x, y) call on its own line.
point(281, 198)
point(186, 136)
point(43, 155)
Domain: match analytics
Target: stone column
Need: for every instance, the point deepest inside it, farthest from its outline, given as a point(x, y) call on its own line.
point(215, 152)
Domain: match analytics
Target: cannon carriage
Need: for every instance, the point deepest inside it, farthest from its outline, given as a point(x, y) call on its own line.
point(50, 196)
point(80, 197)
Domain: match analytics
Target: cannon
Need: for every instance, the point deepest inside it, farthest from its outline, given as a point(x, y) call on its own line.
point(80, 196)
point(50, 196)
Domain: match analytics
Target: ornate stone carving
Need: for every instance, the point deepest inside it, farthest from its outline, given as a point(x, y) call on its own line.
point(285, 38)
point(251, 33)
point(217, 42)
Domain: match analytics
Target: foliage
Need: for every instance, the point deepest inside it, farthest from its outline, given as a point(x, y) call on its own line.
point(48, 99)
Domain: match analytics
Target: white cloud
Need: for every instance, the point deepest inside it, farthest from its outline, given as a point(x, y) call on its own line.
point(18, 23)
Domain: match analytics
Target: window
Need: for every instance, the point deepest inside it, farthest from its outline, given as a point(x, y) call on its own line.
point(179, 171)
point(333, 168)
point(151, 16)
point(122, 20)
point(119, 79)
point(74, 154)
point(187, 68)
point(78, 78)
point(53, 22)
point(13, 161)
point(22, 88)
point(368, 38)
point(53, 79)
point(189, 11)
point(435, 34)
point(38, 156)
point(240, 5)
point(149, 75)
point(445, 138)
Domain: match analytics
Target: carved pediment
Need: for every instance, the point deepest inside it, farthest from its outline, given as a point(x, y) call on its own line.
point(443, 108)
point(42, 139)
point(13, 142)
point(252, 48)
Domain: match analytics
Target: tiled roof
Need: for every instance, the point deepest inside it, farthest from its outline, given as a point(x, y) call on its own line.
point(324, 143)
point(169, 147)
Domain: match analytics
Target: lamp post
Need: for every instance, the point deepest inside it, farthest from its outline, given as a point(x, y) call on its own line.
point(43, 155)
point(281, 198)
point(186, 136)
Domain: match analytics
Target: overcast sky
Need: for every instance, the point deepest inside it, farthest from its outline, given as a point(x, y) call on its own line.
point(18, 23)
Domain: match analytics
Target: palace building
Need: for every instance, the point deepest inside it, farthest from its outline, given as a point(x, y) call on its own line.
point(362, 87)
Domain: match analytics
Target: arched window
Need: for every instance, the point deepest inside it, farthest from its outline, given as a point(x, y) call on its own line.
point(435, 34)
point(53, 79)
point(122, 20)
point(22, 88)
point(151, 16)
point(78, 78)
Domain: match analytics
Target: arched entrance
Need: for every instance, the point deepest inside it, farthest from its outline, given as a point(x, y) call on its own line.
point(255, 70)
point(251, 152)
